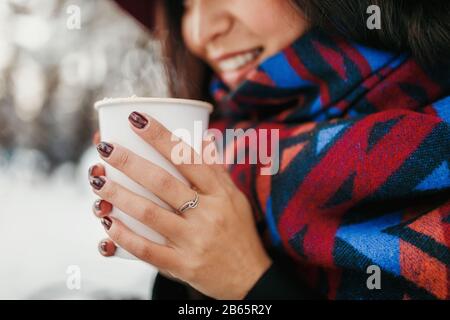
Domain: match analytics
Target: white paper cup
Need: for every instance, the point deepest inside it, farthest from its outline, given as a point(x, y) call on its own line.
point(174, 114)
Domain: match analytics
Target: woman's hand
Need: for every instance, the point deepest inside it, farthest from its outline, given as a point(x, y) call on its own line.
point(214, 247)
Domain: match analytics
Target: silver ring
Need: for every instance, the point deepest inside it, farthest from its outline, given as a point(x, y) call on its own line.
point(191, 204)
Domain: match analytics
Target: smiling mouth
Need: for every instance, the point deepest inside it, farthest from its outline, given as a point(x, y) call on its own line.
point(234, 68)
point(239, 61)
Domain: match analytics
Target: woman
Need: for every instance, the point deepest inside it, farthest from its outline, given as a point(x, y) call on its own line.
point(359, 208)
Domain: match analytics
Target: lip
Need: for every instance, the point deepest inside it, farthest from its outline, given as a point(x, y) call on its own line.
point(216, 58)
point(235, 77)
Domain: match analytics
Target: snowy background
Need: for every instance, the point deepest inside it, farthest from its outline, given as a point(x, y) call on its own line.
point(46, 226)
point(50, 76)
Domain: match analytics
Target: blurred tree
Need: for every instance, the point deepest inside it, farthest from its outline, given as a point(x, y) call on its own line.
point(50, 74)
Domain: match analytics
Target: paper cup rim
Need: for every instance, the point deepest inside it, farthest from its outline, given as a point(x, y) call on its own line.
point(112, 101)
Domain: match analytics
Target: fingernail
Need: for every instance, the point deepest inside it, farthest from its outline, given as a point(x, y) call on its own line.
point(97, 205)
point(103, 247)
point(107, 222)
point(138, 120)
point(105, 149)
point(91, 170)
point(97, 182)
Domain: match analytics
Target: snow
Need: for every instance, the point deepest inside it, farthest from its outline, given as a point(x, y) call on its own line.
point(47, 226)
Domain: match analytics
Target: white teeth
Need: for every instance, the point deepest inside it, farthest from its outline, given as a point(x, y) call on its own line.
point(238, 61)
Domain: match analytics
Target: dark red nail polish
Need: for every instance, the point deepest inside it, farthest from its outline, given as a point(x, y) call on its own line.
point(103, 247)
point(97, 182)
point(107, 222)
point(138, 120)
point(97, 205)
point(105, 149)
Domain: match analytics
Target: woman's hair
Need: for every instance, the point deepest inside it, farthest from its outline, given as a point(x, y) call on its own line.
point(419, 27)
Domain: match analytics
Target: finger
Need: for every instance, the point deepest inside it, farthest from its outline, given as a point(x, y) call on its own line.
point(101, 208)
point(209, 150)
point(147, 174)
point(211, 154)
point(154, 133)
point(107, 248)
point(160, 256)
point(213, 158)
point(96, 138)
point(144, 210)
point(96, 170)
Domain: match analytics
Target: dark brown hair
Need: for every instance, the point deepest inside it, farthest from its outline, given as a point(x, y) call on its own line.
point(419, 27)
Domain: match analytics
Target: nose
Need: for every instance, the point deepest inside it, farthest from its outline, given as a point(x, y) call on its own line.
point(210, 20)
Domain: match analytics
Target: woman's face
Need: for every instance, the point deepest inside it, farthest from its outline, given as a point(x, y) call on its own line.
point(234, 36)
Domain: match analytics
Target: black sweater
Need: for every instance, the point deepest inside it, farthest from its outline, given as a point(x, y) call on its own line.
point(277, 283)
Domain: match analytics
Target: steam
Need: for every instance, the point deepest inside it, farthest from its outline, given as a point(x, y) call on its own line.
point(144, 72)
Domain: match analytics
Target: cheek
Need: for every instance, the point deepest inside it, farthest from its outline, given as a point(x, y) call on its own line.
point(277, 23)
point(188, 38)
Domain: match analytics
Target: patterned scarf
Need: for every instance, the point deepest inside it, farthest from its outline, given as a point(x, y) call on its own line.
point(364, 175)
